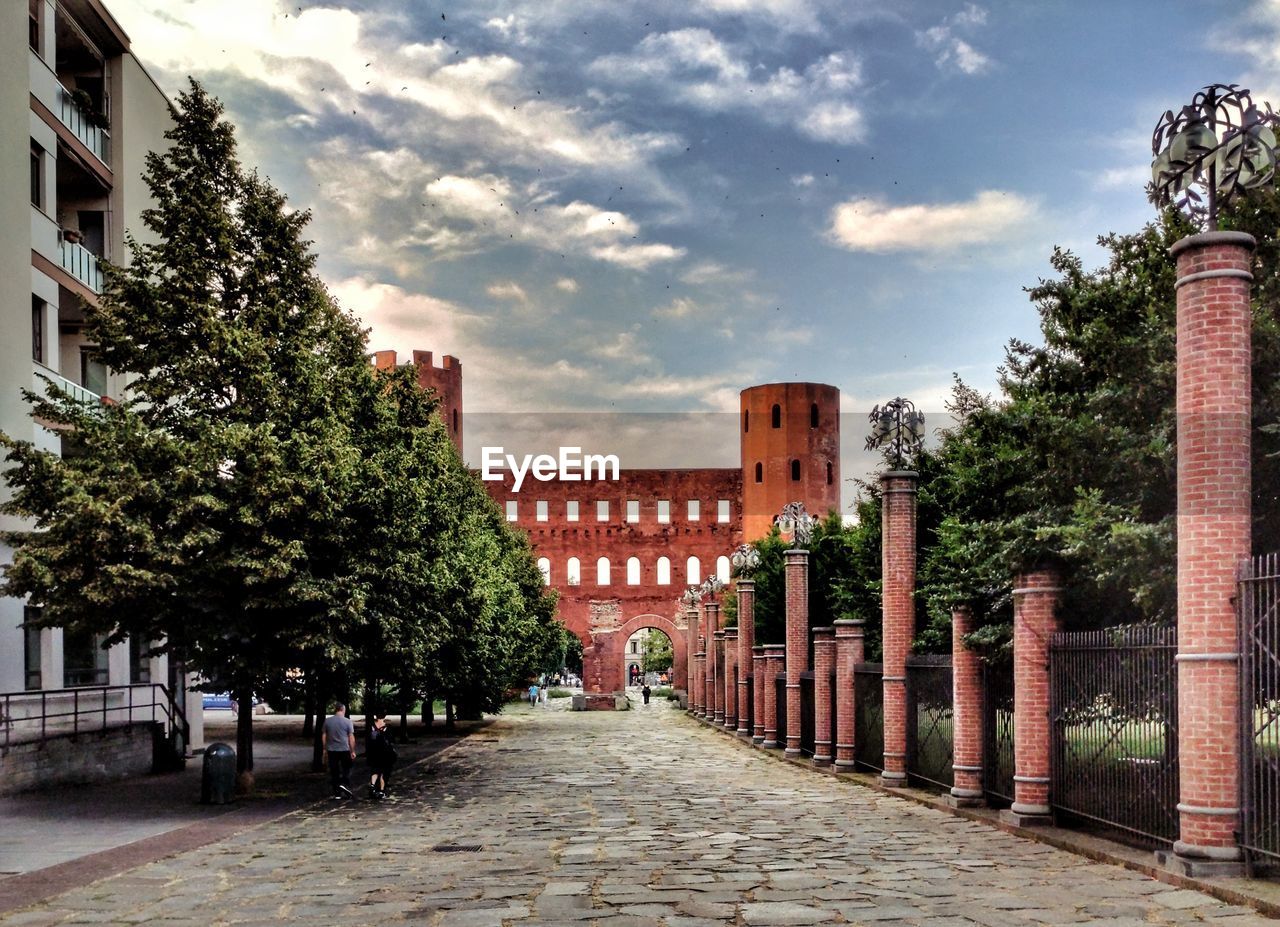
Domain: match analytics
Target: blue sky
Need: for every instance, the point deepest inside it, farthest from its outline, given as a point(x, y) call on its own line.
point(620, 207)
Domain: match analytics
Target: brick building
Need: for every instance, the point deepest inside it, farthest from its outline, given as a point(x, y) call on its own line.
point(621, 552)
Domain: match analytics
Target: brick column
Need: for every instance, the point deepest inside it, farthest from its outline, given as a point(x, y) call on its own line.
point(898, 556)
point(1035, 606)
point(966, 687)
point(717, 717)
point(699, 680)
point(797, 581)
point(746, 590)
point(775, 656)
point(731, 679)
point(1214, 348)
point(849, 653)
point(824, 667)
point(711, 611)
point(757, 694)
point(691, 650)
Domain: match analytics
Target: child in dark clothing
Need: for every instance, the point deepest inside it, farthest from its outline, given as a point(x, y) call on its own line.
point(380, 753)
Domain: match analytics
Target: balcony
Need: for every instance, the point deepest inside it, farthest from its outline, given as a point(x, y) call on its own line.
point(82, 264)
point(39, 371)
point(82, 125)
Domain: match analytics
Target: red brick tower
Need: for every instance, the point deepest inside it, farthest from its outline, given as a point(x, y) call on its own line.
point(445, 381)
point(790, 451)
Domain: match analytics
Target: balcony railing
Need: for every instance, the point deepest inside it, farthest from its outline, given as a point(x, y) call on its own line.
point(77, 391)
point(82, 264)
point(74, 117)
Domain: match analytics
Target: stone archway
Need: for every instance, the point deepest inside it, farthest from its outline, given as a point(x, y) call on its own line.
point(603, 660)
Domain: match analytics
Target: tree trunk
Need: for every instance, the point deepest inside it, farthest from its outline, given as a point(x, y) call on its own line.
point(244, 729)
point(448, 715)
point(428, 710)
point(309, 709)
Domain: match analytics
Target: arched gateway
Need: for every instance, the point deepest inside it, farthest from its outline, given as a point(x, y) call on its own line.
point(603, 657)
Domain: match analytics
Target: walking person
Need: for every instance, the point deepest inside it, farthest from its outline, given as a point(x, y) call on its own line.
point(380, 753)
point(646, 693)
point(533, 695)
point(340, 750)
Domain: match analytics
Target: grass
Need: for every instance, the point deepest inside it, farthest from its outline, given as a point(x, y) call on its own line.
point(559, 693)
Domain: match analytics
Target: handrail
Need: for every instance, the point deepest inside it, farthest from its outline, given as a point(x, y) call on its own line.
point(85, 702)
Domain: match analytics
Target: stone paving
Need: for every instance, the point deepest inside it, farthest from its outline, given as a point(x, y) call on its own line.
point(641, 818)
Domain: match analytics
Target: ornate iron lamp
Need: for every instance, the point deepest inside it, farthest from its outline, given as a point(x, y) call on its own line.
point(710, 586)
point(1220, 143)
point(899, 426)
point(797, 522)
point(745, 560)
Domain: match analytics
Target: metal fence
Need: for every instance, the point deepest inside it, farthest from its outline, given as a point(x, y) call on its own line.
point(780, 692)
point(997, 732)
point(1259, 612)
point(806, 714)
point(747, 712)
point(868, 718)
point(1113, 712)
point(930, 720)
point(38, 717)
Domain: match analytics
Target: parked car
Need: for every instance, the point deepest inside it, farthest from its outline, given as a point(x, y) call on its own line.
point(222, 701)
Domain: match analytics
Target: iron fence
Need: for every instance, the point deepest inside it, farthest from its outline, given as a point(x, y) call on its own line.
point(1113, 712)
point(38, 717)
point(780, 693)
point(868, 716)
point(1259, 612)
point(997, 732)
point(930, 720)
point(806, 714)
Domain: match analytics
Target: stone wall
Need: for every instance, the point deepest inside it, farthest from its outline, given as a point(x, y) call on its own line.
point(99, 756)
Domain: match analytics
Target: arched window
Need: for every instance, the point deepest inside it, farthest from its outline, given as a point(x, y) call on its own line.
point(813, 415)
point(602, 571)
point(777, 415)
point(829, 473)
point(573, 571)
point(759, 472)
point(455, 421)
point(693, 571)
point(633, 571)
point(795, 471)
point(722, 569)
point(664, 571)
point(544, 567)
point(746, 420)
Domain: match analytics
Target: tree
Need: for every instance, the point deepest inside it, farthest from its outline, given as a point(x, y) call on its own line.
point(658, 653)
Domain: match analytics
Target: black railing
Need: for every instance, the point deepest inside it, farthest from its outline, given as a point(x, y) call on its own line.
point(868, 718)
point(37, 717)
point(997, 732)
point(1259, 609)
point(1113, 712)
point(806, 714)
point(780, 693)
point(930, 721)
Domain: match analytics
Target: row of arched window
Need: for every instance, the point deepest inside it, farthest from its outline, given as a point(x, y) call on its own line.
point(795, 472)
point(635, 573)
point(775, 417)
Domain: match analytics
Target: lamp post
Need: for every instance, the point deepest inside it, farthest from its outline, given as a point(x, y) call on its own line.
point(745, 561)
point(898, 426)
point(794, 520)
point(713, 693)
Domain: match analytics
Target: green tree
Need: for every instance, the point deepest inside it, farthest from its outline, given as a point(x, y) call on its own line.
point(658, 653)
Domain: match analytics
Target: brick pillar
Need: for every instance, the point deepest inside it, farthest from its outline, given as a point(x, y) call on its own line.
point(966, 687)
point(1035, 606)
point(691, 650)
point(731, 679)
point(711, 611)
point(757, 694)
point(746, 589)
point(1214, 347)
point(699, 680)
point(775, 656)
point(898, 555)
point(824, 667)
point(849, 653)
point(797, 581)
point(717, 680)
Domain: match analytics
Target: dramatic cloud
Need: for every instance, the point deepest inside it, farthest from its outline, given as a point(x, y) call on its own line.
point(694, 67)
point(567, 285)
point(509, 290)
point(874, 225)
point(951, 51)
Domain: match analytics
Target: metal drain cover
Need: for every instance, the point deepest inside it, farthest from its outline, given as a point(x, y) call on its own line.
point(456, 848)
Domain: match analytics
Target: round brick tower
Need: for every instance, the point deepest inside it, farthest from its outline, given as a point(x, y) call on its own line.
point(790, 451)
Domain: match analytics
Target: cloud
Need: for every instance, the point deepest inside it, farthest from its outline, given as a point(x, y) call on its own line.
point(951, 52)
point(637, 257)
point(710, 272)
point(509, 290)
point(875, 226)
point(802, 180)
point(679, 308)
point(567, 285)
point(399, 319)
point(694, 67)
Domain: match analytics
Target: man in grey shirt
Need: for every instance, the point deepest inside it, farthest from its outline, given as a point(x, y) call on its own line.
point(340, 749)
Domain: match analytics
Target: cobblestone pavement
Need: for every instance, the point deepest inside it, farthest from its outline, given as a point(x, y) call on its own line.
point(637, 818)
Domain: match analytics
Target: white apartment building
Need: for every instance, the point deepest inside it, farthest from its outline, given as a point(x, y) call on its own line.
point(78, 114)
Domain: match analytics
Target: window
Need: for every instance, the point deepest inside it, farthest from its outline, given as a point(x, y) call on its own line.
point(723, 572)
point(633, 510)
point(759, 472)
point(37, 176)
point(93, 372)
point(829, 473)
point(513, 510)
point(777, 415)
point(635, 646)
point(602, 510)
point(544, 567)
point(31, 650)
point(541, 509)
point(664, 571)
point(602, 571)
point(795, 471)
point(84, 662)
point(695, 510)
point(571, 511)
point(813, 415)
point(37, 328)
point(746, 420)
point(633, 571)
point(455, 421)
point(664, 511)
point(722, 511)
point(573, 572)
point(139, 662)
point(33, 25)
point(692, 571)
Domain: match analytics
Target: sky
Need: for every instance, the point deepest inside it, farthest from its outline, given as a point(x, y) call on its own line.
point(608, 207)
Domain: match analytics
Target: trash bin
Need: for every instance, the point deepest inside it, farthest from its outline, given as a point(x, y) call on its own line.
point(218, 775)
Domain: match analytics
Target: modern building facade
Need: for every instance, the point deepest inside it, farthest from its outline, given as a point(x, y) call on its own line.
point(70, 187)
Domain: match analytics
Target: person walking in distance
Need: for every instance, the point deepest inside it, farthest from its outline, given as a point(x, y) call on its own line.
point(340, 750)
point(380, 753)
